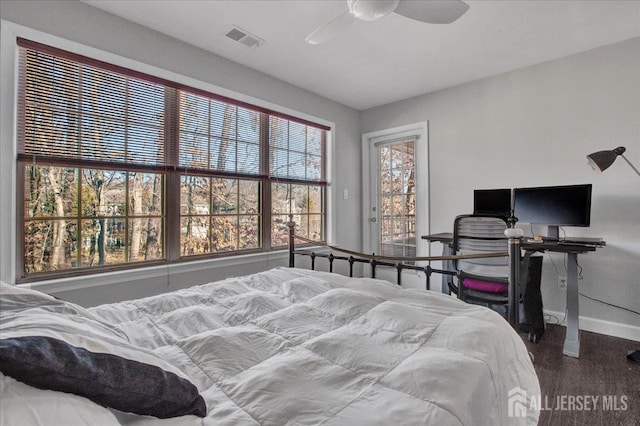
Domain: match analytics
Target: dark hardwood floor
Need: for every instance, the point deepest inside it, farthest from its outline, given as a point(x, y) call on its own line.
point(602, 371)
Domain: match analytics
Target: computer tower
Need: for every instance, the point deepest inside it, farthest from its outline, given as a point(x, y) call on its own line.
point(533, 321)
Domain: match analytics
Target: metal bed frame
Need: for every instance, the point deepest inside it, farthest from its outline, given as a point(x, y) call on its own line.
point(400, 262)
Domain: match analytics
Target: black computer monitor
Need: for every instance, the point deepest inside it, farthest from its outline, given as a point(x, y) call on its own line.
point(492, 201)
point(553, 206)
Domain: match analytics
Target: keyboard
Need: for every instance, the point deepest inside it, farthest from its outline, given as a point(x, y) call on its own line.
point(580, 240)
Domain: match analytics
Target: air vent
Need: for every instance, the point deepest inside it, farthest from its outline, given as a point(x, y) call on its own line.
point(244, 37)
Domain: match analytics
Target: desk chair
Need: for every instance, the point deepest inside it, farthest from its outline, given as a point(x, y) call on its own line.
point(485, 280)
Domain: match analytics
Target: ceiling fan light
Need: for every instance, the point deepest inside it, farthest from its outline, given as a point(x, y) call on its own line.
point(371, 10)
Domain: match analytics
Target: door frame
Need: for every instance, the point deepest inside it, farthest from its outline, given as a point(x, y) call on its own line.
point(423, 216)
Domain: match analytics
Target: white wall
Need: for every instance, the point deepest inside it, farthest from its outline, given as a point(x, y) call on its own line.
point(93, 28)
point(533, 127)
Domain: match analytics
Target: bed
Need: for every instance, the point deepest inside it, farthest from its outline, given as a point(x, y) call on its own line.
point(286, 346)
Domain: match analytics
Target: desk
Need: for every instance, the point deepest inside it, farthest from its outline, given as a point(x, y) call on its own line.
point(446, 238)
point(572, 338)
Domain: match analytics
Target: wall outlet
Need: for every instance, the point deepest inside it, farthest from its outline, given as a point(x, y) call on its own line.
point(562, 282)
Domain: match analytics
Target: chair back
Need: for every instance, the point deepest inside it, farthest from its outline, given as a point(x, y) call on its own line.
point(474, 234)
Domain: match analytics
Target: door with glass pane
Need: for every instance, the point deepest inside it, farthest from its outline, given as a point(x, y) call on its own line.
point(394, 198)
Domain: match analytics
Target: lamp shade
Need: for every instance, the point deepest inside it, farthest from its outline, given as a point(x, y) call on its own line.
point(601, 160)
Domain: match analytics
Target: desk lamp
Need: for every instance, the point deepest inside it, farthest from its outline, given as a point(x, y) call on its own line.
point(600, 161)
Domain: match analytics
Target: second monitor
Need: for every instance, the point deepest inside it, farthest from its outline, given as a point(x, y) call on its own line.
point(492, 201)
point(553, 206)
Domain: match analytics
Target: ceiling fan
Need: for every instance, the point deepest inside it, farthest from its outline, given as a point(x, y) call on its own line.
point(429, 11)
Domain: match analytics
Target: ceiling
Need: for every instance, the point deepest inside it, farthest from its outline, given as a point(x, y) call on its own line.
point(394, 58)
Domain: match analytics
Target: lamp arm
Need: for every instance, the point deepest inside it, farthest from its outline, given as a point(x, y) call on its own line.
point(632, 166)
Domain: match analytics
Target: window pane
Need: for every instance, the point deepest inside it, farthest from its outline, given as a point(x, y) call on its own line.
point(295, 150)
point(194, 114)
point(97, 82)
point(103, 193)
point(225, 196)
point(299, 198)
point(385, 230)
point(315, 204)
point(223, 155)
point(280, 197)
point(249, 232)
point(396, 156)
point(279, 162)
point(249, 201)
point(385, 206)
point(223, 120)
point(248, 125)
point(227, 136)
point(146, 102)
point(316, 227)
point(278, 132)
point(50, 245)
point(302, 226)
point(398, 205)
point(313, 167)
point(296, 165)
point(144, 240)
point(297, 137)
point(224, 233)
point(194, 150)
point(194, 235)
point(144, 143)
point(248, 158)
point(280, 231)
point(103, 242)
point(314, 141)
point(145, 194)
point(195, 195)
point(50, 192)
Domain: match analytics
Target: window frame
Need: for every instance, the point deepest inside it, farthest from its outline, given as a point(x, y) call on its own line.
point(171, 203)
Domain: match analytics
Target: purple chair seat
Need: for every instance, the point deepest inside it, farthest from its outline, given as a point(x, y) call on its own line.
point(486, 286)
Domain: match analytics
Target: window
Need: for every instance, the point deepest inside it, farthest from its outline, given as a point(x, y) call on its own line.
point(120, 169)
point(397, 198)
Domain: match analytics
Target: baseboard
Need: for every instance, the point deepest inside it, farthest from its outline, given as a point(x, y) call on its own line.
point(609, 328)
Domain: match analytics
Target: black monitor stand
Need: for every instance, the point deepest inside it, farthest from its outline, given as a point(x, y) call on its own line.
point(553, 232)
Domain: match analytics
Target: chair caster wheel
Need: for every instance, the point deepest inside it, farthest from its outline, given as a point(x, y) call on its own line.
point(533, 338)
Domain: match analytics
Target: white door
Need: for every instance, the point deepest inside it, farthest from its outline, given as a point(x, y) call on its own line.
point(396, 191)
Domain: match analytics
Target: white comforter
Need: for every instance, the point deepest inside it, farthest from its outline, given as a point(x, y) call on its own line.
point(291, 346)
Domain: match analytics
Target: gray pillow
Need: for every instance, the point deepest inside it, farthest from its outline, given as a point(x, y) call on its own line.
point(67, 350)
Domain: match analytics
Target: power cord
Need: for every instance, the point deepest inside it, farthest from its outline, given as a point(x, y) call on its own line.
point(558, 321)
point(609, 304)
point(580, 277)
point(633, 356)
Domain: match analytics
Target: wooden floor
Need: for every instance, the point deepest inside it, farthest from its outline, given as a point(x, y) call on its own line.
point(602, 371)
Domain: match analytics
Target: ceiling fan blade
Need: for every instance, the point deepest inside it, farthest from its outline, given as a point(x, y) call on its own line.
point(432, 11)
point(331, 28)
